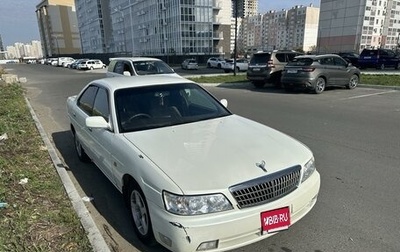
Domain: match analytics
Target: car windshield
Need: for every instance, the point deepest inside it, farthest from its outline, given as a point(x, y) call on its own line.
point(152, 67)
point(150, 107)
point(260, 58)
point(301, 62)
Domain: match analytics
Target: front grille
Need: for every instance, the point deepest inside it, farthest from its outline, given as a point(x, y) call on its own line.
point(266, 189)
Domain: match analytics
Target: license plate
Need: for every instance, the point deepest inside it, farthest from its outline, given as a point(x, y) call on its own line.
point(256, 69)
point(275, 220)
point(292, 71)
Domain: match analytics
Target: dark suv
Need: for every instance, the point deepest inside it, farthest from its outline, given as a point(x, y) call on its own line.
point(378, 58)
point(267, 66)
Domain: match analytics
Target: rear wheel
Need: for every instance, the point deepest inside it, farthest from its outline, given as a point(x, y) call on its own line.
point(397, 66)
point(140, 214)
point(91, 68)
point(381, 66)
point(79, 150)
point(353, 82)
point(320, 85)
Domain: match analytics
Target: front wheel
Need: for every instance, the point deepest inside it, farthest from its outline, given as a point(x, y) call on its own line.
point(320, 85)
point(140, 214)
point(353, 82)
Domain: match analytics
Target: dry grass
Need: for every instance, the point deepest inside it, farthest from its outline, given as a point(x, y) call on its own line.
point(38, 215)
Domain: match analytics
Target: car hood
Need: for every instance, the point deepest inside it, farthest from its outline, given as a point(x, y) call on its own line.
point(212, 155)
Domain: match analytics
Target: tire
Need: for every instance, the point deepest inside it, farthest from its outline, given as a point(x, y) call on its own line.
point(219, 66)
point(208, 65)
point(381, 66)
point(320, 85)
point(137, 206)
point(258, 84)
point(80, 151)
point(237, 69)
point(91, 68)
point(397, 66)
point(353, 82)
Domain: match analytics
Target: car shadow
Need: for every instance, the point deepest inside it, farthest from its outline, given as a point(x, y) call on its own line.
point(107, 200)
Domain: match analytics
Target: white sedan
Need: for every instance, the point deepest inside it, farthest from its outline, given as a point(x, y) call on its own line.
point(195, 176)
point(241, 65)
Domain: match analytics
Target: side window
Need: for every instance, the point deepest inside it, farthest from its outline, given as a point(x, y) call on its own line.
point(339, 62)
point(280, 57)
point(119, 67)
point(327, 61)
point(111, 66)
point(86, 101)
point(290, 56)
point(101, 107)
point(127, 67)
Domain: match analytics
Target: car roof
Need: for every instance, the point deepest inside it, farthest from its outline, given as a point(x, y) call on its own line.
point(135, 58)
point(313, 56)
point(116, 83)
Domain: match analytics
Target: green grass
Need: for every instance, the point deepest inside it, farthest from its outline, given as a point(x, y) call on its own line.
point(384, 80)
point(39, 215)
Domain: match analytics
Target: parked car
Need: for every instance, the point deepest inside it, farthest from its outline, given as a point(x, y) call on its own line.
point(190, 64)
point(379, 59)
point(215, 62)
point(316, 72)
point(63, 61)
point(350, 57)
point(268, 66)
point(91, 64)
point(171, 149)
point(241, 65)
point(138, 66)
point(74, 65)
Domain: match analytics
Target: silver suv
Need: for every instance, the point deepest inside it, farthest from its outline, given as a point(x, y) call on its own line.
point(267, 66)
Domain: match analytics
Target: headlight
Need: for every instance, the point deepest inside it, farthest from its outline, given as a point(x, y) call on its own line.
point(195, 204)
point(309, 168)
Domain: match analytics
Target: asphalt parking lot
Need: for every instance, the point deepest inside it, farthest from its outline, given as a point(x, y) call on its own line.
point(354, 135)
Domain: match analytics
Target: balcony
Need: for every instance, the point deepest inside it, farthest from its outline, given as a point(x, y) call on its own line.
point(218, 35)
point(216, 5)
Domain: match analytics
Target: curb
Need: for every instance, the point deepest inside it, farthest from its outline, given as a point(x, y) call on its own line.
point(95, 238)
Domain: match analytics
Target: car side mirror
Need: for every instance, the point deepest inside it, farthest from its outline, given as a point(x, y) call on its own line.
point(224, 102)
point(126, 73)
point(97, 122)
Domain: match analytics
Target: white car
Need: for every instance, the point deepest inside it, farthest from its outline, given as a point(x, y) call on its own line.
point(134, 66)
point(241, 65)
point(91, 64)
point(195, 176)
point(190, 64)
point(215, 62)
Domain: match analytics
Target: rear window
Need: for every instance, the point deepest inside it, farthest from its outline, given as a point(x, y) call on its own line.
point(369, 52)
point(260, 58)
point(301, 62)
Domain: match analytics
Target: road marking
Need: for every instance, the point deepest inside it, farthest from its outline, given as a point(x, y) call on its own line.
point(362, 96)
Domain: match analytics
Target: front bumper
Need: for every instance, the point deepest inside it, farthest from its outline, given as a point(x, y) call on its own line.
point(232, 229)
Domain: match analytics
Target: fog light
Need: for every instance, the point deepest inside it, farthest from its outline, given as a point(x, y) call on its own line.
point(208, 245)
point(166, 240)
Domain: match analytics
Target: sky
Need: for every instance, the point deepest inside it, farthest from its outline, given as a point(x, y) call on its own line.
point(18, 21)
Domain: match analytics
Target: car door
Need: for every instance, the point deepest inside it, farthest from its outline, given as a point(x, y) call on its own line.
point(342, 71)
point(103, 140)
point(330, 71)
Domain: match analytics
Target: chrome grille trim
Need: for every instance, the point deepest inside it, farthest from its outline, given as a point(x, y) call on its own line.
point(267, 188)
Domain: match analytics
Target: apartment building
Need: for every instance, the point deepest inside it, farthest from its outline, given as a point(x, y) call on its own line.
point(245, 8)
point(58, 27)
point(352, 25)
point(296, 28)
point(95, 28)
point(171, 27)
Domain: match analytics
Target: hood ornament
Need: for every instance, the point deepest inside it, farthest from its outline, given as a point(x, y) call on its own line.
point(262, 166)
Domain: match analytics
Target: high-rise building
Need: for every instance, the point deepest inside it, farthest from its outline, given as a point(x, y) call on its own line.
point(2, 52)
point(58, 27)
point(351, 25)
point(95, 28)
point(293, 29)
